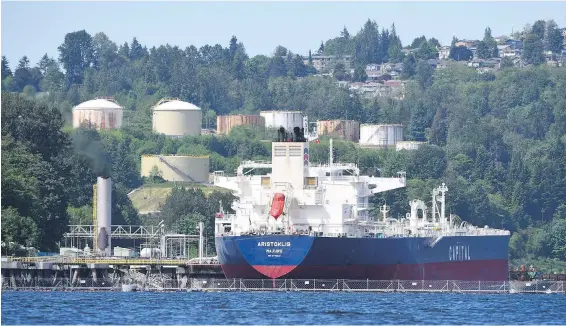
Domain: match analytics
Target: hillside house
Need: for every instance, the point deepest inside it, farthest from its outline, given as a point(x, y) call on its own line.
point(326, 62)
point(468, 43)
point(444, 52)
point(514, 44)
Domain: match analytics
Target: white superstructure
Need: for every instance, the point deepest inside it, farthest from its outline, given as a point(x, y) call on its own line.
point(330, 200)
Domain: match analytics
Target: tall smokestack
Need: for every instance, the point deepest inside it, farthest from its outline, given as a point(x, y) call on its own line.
point(104, 215)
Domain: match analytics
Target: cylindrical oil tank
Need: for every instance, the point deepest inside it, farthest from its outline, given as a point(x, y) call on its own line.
point(384, 135)
point(224, 123)
point(176, 118)
point(178, 168)
point(286, 119)
point(344, 129)
point(100, 113)
point(408, 145)
point(104, 214)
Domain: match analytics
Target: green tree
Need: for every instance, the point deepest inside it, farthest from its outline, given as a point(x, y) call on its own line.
point(45, 63)
point(136, 51)
point(461, 53)
point(409, 67)
point(18, 229)
point(424, 73)
point(538, 29)
point(490, 44)
point(277, 67)
point(22, 75)
point(29, 91)
point(426, 51)
point(320, 48)
point(359, 74)
point(553, 39)
point(280, 51)
point(339, 71)
point(506, 62)
point(483, 50)
point(533, 50)
point(76, 54)
point(6, 71)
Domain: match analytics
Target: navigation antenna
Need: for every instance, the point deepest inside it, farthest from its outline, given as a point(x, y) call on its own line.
point(384, 210)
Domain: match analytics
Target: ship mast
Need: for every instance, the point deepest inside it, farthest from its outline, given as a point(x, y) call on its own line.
point(384, 210)
point(443, 189)
point(330, 155)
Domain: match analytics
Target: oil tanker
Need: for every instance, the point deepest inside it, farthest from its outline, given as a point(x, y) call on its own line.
point(306, 221)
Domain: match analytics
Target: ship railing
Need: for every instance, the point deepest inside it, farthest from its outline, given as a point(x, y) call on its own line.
point(338, 178)
point(335, 165)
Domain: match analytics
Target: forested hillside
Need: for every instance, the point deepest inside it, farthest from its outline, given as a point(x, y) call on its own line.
point(497, 140)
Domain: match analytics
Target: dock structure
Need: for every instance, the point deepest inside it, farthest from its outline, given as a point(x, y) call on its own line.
point(86, 274)
point(101, 273)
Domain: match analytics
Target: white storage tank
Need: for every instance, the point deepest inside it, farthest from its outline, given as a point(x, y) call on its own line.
point(176, 118)
point(384, 135)
point(344, 129)
point(177, 167)
point(286, 119)
point(100, 113)
point(408, 145)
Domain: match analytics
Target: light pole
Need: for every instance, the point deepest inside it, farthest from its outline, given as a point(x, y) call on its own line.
point(200, 227)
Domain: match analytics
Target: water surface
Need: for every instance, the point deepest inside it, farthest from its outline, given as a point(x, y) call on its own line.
point(280, 308)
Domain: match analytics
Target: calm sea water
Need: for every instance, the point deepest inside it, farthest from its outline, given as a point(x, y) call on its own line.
point(280, 308)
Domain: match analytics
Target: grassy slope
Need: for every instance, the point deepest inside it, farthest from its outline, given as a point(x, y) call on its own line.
point(149, 197)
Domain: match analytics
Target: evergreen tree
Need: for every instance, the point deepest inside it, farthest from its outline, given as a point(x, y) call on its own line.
point(321, 48)
point(359, 74)
point(136, 50)
point(553, 39)
point(23, 63)
point(409, 67)
point(6, 71)
point(533, 49)
point(344, 34)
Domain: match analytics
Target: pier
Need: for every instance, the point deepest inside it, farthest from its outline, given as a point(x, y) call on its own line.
point(138, 274)
point(103, 273)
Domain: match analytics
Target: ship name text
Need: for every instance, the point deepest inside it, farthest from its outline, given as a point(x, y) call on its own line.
point(274, 244)
point(459, 252)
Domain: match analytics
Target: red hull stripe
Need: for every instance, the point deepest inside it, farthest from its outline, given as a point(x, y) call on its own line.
point(274, 271)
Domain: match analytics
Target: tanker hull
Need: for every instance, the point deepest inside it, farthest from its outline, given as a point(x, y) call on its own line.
point(469, 258)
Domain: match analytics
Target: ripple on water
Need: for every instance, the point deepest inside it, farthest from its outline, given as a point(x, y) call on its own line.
point(279, 308)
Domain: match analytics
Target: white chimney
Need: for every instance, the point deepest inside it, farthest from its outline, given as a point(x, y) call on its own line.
point(104, 215)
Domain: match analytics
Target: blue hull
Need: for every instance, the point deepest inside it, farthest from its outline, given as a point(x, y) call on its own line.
point(300, 256)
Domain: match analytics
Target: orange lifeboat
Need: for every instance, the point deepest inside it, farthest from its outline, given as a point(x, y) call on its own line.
point(277, 205)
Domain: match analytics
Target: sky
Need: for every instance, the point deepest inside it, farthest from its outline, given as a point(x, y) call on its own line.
point(36, 28)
